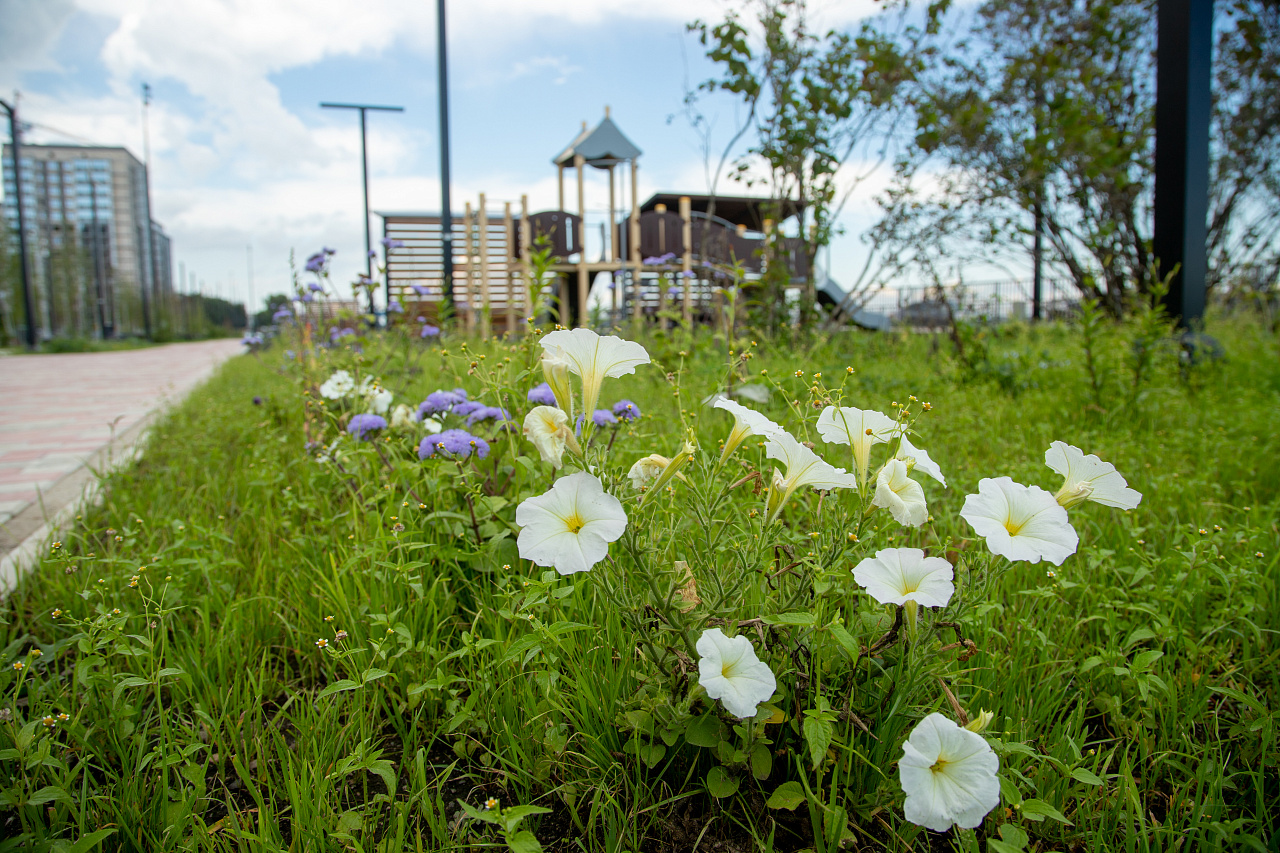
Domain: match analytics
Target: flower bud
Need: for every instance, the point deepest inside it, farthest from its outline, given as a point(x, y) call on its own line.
point(556, 372)
point(1072, 496)
point(980, 722)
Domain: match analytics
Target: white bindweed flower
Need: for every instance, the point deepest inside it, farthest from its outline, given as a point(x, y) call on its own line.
point(899, 575)
point(337, 386)
point(556, 371)
point(402, 418)
point(804, 468)
point(920, 461)
point(646, 470)
point(901, 495)
point(1020, 522)
point(948, 774)
point(729, 670)
point(569, 528)
point(548, 428)
point(861, 429)
point(593, 357)
point(1088, 478)
point(431, 426)
point(380, 401)
point(746, 422)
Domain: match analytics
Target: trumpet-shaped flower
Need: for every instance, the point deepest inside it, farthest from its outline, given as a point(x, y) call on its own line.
point(337, 386)
point(899, 575)
point(920, 460)
point(729, 670)
point(746, 422)
point(948, 774)
point(1020, 522)
point(548, 428)
point(901, 495)
point(593, 357)
point(646, 470)
point(1088, 478)
point(569, 528)
point(861, 429)
point(556, 370)
point(804, 468)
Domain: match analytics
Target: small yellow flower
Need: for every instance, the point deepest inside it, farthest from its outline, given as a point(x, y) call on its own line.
point(36, 653)
point(63, 717)
point(115, 611)
point(49, 721)
point(328, 618)
point(57, 612)
point(18, 666)
point(491, 803)
point(799, 373)
point(321, 643)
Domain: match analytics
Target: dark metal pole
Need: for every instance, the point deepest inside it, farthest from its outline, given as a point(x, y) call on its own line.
point(364, 174)
point(16, 147)
point(97, 256)
point(1037, 281)
point(1184, 55)
point(446, 207)
point(147, 286)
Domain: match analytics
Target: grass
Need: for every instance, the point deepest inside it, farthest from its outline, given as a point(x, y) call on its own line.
point(1134, 691)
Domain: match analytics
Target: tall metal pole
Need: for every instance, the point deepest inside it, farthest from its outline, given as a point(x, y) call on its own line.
point(97, 257)
point(150, 261)
point(1037, 250)
point(446, 207)
point(249, 250)
point(364, 174)
point(1184, 55)
point(16, 148)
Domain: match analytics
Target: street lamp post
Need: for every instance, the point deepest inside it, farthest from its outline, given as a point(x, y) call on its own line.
point(364, 173)
point(446, 208)
point(16, 147)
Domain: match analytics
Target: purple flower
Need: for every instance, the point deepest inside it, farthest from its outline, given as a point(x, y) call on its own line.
point(601, 417)
point(257, 401)
point(429, 331)
point(453, 443)
point(389, 243)
point(625, 410)
point(542, 396)
point(421, 319)
point(290, 355)
point(329, 251)
point(372, 254)
point(420, 289)
point(439, 402)
point(308, 297)
point(466, 407)
point(361, 425)
point(651, 261)
point(283, 315)
point(485, 413)
point(315, 287)
point(673, 292)
point(394, 307)
point(316, 262)
point(688, 274)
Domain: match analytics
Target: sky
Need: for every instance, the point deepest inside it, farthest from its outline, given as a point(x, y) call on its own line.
point(247, 168)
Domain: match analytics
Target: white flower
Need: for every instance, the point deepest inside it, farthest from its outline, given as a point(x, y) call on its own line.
point(920, 461)
point(402, 418)
point(548, 428)
point(729, 670)
point(899, 575)
point(901, 495)
point(556, 371)
point(745, 422)
point(380, 401)
point(858, 428)
point(948, 774)
point(1020, 522)
point(337, 386)
point(431, 426)
point(569, 528)
point(646, 470)
point(804, 468)
point(1088, 478)
point(593, 357)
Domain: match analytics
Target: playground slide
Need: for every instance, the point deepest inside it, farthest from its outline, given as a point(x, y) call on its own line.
point(833, 297)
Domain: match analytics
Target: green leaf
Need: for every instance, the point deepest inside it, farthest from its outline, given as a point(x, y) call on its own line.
point(761, 761)
point(994, 846)
point(48, 794)
point(1085, 776)
point(339, 687)
point(720, 784)
point(372, 674)
point(1015, 835)
point(87, 842)
point(791, 619)
point(1010, 792)
point(704, 731)
point(787, 796)
point(835, 825)
point(845, 639)
point(523, 841)
point(1144, 660)
point(1038, 810)
point(817, 733)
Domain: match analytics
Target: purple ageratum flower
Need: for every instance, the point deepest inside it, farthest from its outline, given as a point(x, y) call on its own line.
point(316, 262)
point(372, 254)
point(429, 331)
point(439, 402)
point(307, 297)
point(421, 319)
point(673, 292)
point(315, 287)
point(466, 407)
point(389, 243)
point(603, 417)
point(394, 307)
point(257, 401)
point(688, 274)
point(283, 315)
point(487, 413)
point(361, 425)
point(625, 410)
point(420, 289)
point(542, 395)
point(454, 444)
point(651, 261)
point(329, 251)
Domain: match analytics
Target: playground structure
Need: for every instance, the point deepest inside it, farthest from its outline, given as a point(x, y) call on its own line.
point(661, 263)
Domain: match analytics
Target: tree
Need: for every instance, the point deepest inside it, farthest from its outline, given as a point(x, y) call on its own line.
point(814, 104)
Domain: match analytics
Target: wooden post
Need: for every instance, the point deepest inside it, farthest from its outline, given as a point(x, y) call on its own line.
point(633, 243)
point(469, 319)
point(560, 184)
point(526, 247)
point(686, 215)
point(580, 162)
point(486, 309)
point(509, 272)
point(613, 237)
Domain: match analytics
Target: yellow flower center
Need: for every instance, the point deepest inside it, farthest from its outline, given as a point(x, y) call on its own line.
point(1014, 527)
point(575, 522)
point(938, 765)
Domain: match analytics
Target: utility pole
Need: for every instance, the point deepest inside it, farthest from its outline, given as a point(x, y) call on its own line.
point(446, 208)
point(249, 250)
point(364, 173)
point(144, 285)
point(16, 147)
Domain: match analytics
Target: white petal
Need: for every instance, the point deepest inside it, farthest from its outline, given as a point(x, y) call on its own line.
point(948, 774)
point(923, 463)
point(546, 537)
point(848, 425)
point(898, 575)
point(1020, 522)
point(729, 670)
point(902, 496)
point(1109, 487)
point(804, 467)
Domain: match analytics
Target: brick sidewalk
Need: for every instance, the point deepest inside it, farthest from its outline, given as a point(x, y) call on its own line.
point(57, 411)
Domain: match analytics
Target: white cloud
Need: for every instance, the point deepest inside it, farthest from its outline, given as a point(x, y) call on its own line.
point(29, 30)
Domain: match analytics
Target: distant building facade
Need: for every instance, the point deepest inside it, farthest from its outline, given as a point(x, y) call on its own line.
point(95, 252)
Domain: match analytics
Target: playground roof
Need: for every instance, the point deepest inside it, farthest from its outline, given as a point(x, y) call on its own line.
point(602, 146)
point(738, 210)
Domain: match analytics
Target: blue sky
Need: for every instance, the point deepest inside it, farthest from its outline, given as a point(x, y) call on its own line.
point(243, 155)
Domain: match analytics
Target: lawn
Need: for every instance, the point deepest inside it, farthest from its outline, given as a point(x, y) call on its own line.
point(272, 634)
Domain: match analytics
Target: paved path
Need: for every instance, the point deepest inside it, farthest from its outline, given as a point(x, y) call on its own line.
point(59, 412)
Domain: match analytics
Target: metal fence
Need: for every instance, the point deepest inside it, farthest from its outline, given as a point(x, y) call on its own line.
point(995, 301)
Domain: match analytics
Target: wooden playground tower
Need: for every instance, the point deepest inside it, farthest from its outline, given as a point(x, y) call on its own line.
point(659, 261)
